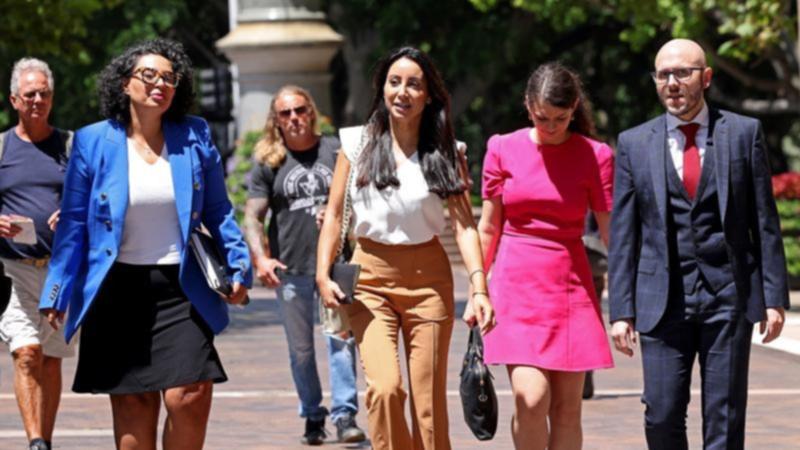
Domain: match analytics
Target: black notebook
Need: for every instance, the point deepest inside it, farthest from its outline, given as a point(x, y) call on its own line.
point(211, 262)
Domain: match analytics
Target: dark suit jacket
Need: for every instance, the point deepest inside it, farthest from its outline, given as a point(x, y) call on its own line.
point(639, 264)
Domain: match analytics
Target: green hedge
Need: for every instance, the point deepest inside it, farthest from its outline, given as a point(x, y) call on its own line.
point(789, 212)
point(238, 177)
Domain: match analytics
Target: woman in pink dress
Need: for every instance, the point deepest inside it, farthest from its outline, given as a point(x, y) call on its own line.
point(537, 185)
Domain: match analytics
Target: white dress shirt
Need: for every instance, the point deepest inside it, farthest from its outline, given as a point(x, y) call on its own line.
point(676, 140)
point(406, 215)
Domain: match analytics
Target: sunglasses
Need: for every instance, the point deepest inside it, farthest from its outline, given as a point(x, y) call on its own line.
point(299, 111)
point(151, 76)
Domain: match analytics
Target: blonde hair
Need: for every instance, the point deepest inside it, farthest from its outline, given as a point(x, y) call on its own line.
point(271, 149)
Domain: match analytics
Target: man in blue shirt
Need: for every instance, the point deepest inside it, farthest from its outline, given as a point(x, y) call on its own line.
point(33, 158)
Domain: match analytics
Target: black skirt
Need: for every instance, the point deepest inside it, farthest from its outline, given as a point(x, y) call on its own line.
point(142, 334)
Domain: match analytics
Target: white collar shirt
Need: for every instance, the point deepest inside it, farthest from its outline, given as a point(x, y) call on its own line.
point(676, 139)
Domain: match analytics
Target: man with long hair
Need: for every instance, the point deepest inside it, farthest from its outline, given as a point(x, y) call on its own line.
point(292, 178)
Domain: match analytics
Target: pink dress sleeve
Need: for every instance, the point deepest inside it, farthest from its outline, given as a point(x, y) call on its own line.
point(601, 195)
point(494, 176)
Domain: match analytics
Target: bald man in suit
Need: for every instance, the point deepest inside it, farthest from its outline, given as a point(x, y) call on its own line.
point(696, 256)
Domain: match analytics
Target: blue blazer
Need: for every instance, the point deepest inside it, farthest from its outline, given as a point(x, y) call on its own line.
point(638, 256)
point(93, 208)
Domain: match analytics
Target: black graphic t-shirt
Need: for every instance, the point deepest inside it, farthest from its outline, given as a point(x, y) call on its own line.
point(295, 192)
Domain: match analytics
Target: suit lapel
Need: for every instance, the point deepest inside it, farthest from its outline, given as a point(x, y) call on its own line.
point(658, 166)
point(179, 148)
point(718, 129)
point(115, 170)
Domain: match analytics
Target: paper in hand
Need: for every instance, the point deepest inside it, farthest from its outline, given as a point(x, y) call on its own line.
point(28, 233)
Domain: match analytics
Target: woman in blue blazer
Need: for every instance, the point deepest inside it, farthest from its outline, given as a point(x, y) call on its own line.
point(137, 185)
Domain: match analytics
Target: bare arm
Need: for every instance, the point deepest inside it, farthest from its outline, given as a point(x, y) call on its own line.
point(479, 307)
point(603, 223)
point(254, 212)
point(490, 228)
point(329, 234)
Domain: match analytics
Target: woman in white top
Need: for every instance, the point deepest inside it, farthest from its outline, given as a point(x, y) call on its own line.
point(404, 163)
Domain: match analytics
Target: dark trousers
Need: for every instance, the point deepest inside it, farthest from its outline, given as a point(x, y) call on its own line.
point(710, 326)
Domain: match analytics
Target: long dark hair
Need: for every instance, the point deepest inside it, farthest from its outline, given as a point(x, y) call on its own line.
point(559, 86)
point(437, 144)
point(114, 104)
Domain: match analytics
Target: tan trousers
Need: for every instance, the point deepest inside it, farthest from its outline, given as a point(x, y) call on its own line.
point(404, 289)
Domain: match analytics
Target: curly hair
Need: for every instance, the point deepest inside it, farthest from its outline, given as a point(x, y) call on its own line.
point(437, 143)
point(115, 104)
point(270, 149)
point(561, 87)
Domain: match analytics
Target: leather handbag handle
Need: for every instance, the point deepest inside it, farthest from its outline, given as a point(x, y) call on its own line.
point(476, 342)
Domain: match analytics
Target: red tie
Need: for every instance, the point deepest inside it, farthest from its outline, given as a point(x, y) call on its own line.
point(691, 159)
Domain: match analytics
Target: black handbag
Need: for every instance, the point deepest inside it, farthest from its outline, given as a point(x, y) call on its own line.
point(478, 398)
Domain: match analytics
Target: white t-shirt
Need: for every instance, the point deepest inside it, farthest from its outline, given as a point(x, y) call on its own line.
point(151, 233)
point(406, 215)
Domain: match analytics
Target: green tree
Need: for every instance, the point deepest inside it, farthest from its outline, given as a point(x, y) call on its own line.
point(754, 42)
point(79, 37)
point(486, 58)
point(43, 28)
point(487, 48)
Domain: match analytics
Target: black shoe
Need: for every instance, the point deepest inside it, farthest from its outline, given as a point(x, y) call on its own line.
point(38, 444)
point(347, 430)
point(315, 432)
point(588, 386)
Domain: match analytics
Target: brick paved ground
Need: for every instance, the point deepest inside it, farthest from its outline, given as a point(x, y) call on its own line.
point(257, 408)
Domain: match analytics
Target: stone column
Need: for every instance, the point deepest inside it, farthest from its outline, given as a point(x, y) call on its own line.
point(278, 42)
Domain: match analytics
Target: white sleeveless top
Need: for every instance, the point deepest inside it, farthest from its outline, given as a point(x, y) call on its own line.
point(406, 215)
point(151, 233)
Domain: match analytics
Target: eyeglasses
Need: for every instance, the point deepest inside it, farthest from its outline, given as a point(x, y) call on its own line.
point(299, 110)
point(680, 74)
point(151, 76)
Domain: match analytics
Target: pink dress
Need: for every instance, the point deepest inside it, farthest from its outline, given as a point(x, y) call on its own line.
point(541, 285)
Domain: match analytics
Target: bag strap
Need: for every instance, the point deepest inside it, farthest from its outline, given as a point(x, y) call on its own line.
point(3, 142)
point(347, 213)
point(475, 341)
point(66, 139)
